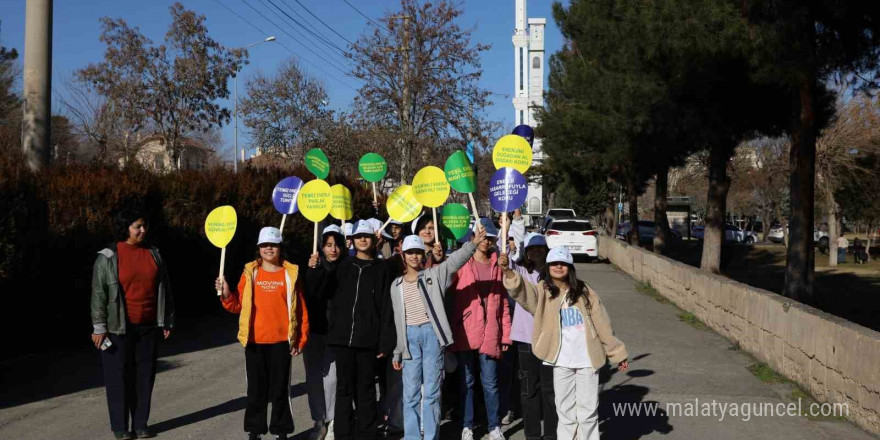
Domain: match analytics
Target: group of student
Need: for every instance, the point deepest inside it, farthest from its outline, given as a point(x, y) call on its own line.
point(395, 305)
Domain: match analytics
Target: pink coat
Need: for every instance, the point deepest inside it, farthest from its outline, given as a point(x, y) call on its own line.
point(479, 321)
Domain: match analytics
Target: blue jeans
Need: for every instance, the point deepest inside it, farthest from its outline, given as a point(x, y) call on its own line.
point(841, 255)
point(467, 362)
point(425, 367)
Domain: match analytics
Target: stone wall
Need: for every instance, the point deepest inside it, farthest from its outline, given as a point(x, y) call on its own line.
point(837, 361)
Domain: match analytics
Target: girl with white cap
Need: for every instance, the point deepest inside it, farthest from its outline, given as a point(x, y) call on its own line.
point(273, 325)
point(423, 332)
point(573, 333)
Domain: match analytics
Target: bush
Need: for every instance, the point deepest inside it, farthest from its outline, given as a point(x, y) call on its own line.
point(52, 225)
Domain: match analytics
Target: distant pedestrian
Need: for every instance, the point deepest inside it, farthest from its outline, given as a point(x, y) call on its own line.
point(573, 333)
point(860, 256)
point(842, 244)
point(273, 326)
point(132, 310)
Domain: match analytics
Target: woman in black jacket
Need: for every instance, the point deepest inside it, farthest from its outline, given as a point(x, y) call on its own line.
point(361, 330)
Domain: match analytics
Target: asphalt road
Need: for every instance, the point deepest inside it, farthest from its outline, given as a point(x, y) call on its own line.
point(200, 390)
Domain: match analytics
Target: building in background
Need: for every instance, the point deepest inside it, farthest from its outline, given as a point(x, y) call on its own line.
point(528, 46)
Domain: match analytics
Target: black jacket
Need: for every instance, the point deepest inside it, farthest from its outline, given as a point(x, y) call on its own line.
point(359, 308)
point(316, 300)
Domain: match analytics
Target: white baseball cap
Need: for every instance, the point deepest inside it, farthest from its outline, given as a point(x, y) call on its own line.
point(363, 227)
point(413, 242)
point(348, 227)
point(560, 254)
point(332, 229)
point(491, 230)
point(269, 234)
point(395, 222)
point(533, 239)
point(376, 223)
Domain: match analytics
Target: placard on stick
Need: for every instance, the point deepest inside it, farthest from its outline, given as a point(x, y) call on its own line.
point(220, 227)
point(314, 203)
point(284, 197)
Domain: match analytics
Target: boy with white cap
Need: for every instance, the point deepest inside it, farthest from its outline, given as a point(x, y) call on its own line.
point(273, 325)
point(361, 330)
point(573, 333)
point(423, 331)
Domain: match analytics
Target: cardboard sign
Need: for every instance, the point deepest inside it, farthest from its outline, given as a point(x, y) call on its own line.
point(220, 225)
point(317, 163)
point(430, 187)
point(284, 195)
point(340, 205)
point(372, 167)
point(512, 151)
point(460, 173)
point(314, 200)
point(402, 204)
point(507, 190)
point(457, 219)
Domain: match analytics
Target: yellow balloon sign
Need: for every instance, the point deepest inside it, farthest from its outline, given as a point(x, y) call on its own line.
point(430, 187)
point(512, 151)
point(314, 200)
point(220, 225)
point(340, 206)
point(402, 204)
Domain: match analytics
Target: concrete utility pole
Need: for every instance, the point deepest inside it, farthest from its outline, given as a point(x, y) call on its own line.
point(36, 125)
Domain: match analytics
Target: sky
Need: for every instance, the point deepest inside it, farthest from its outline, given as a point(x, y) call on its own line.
point(76, 30)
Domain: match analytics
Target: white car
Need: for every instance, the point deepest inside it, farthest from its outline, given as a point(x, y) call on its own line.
point(578, 235)
point(776, 235)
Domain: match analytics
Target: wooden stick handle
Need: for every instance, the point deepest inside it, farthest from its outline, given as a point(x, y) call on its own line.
point(315, 241)
point(385, 225)
point(375, 198)
point(474, 207)
point(283, 219)
point(436, 226)
point(222, 263)
point(504, 227)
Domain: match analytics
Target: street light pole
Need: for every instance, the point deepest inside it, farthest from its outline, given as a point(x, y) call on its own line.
point(268, 39)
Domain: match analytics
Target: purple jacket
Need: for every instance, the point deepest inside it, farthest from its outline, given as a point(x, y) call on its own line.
point(523, 321)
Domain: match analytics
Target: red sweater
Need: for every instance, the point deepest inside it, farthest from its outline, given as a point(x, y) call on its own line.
point(139, 278)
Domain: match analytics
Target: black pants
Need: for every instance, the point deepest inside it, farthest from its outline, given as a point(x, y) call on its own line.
point(390, 393)
point(536, 394)
point(129, 375)
point(508, 386)
point(355, 394)
point(268, 380)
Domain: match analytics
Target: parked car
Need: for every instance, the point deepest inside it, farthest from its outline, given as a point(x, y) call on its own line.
point(820, 238)
point(557, 214)
point(732, 234)
point(577, 234)
point(646, 231)
point(777, 234)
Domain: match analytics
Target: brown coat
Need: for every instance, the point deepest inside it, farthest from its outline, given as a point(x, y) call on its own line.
point(536, 299)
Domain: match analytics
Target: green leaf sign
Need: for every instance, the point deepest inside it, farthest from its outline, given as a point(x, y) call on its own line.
point(460, 173)
point(373, 167)
point(317, 163)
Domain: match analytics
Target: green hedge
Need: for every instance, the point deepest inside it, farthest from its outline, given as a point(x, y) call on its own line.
point(53, 223)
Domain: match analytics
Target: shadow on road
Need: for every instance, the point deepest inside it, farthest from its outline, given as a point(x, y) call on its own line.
point(202, 415)
point(629, 425)
point(58, 372)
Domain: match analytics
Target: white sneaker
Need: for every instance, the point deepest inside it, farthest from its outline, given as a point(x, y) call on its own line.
point(467, 434)
point(496, 434)
point(329, 435)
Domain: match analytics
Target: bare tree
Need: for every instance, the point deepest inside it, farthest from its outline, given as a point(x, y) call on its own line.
point(421, 77)
point(286, 113)
point(175, 85)
point(854, 134)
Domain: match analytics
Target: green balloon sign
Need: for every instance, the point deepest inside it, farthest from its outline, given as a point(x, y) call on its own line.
point(460, 173)
point(457, 219)
point(373, 167)
point(317, 163)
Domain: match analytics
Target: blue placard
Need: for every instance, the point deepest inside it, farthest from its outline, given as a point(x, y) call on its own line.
point(284, 195)
point(507, 190)
point(525, 131)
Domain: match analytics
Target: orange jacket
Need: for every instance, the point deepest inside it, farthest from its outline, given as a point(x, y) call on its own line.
point(242, 302)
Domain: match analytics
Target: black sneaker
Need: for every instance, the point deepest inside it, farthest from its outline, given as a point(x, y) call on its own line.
point(252, 436)
point(144, 433)
point(123, 435)
point(319, 431)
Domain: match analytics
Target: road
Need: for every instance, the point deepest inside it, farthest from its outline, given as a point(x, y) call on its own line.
point(200, 390)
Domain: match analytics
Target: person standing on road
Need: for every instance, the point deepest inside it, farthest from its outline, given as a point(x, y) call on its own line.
point(132, 310)
point(536, 379)
point(423, 332)
point(842, 244)
point(361, 331)
point(318, 359)
point(573, 333)
point(273, 326)
point(481, 329)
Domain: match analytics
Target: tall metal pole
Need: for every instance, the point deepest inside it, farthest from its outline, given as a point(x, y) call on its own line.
point(235, 92)
point(36, 124)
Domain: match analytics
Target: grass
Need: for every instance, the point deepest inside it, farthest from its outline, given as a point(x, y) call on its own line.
point(767, 375)
point(648, 289)
point(691, 320)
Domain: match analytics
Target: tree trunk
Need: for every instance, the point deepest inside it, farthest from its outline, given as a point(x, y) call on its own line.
point(870, 240)
point(716, 206)
point(765, 222)
point(614, 213)
point(800, 258)
point(661, 221)
point(833, 231)
point(633, 200)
